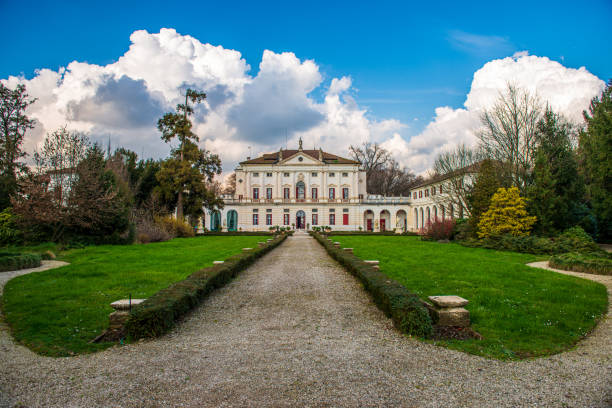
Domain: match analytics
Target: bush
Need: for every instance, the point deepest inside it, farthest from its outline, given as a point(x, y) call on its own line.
point(157, 315)
point(572, 240)
point(438, 230)
point(15, 261)
point(406, 310)
point(9, 233)
point(578, 262)
point(175, 227)
point(507, 214)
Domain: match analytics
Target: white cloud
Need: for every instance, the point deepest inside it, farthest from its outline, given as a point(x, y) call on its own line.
point(123, 100)
point(567, 90)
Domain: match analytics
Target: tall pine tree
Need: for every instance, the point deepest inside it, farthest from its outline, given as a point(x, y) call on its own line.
point(556, 191)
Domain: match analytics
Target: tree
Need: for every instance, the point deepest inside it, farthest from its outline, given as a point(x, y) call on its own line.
point(507, 214)
point(177, 124)
point(509, 133)
point(383, 173)
point(13, 126)
point(491, 176)
point(457, 169)
point(189, 176)
point(230, 186)
point(595, 149)
point(557, 191)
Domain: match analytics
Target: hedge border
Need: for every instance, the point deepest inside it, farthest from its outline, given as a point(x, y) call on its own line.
point(158, 314)
point(406, 310)
point(385, 233)
point(578, 262)
point(16, 261)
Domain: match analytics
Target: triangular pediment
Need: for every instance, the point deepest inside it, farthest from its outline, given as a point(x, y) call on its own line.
point(300, 158)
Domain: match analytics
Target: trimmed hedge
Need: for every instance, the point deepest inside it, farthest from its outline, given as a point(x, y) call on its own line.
point(407, 311)
point(387, 233)
point(578, 262)
point(157, 315)
point(13, 261)
point(235, 233)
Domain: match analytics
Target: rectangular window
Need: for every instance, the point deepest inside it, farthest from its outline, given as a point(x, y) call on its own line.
point(286, 174)
point(332, 174)
point(285, 219)
point(332, 219)
point(344, 174)
point(433, 191)
point(255, 219)
point(440, 189)
point(255, 174)
point(332, 210)
point(332, 193)
point(269, 193)
point(421, 194)
point(427, 193)
point(345, 193)
point(256, 193)
point(414, 195)
point(268, 219)
point(268, 210)
point(314, 174)
point(345, 219)
point(268, 174)
point(315, 219)
point(286, 193)
point(314, 193)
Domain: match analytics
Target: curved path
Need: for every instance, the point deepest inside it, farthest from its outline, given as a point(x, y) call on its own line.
point(295, 329)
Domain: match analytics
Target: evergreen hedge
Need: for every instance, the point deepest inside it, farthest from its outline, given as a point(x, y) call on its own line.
point(580, 262)
point(407, 311)
point(14, 261)
point(386, 233)
point(157, 315)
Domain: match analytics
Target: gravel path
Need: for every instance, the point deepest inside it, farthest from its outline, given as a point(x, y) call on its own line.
point(295, 329)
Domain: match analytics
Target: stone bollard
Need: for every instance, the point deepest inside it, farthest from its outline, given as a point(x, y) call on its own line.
point(218, 262)
point(122, 313)
point(349, 250)
point(373, 264)
point(449, 311)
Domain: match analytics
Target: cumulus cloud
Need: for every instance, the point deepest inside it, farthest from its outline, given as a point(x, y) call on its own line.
point(254, 113)
point(567, 91)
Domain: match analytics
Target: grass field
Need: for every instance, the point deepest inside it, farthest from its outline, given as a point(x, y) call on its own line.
point(520, 311)
point(57, 312)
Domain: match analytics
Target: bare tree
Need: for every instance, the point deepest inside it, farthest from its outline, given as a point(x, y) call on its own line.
point(455, 170)
point(230, 185)
point(371, 156)
point(391, 180)
point(509, 133)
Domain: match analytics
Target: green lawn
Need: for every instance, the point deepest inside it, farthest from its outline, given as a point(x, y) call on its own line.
point(57, 312)
point(520, 311)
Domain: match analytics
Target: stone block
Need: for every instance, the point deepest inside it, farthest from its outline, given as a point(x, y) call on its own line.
point(124, 304)
point(349, 250)
point(118, 319)
point(247, 249)
point(454, 316)
point(448, 301)
point(372, 262)
point(218, 262)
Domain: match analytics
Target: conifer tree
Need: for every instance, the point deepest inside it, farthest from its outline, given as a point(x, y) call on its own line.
point(507, 214)
point(491, 176)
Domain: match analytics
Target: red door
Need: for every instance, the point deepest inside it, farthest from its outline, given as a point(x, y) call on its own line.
point(344, 219)
point(369, 225)
point(382, 225)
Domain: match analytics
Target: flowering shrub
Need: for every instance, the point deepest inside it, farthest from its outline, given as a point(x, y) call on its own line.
point(438, 229)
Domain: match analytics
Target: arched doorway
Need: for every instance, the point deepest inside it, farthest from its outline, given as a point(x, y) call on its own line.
point(300, 190)
point(416, 218)
point(402, 220)
point(368, 220)
point(422, 218)
point(232, 220)
point(300, 220)
point(215, 221)
point(385, 220)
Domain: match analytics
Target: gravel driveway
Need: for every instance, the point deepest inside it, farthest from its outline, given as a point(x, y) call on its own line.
point(295, 329)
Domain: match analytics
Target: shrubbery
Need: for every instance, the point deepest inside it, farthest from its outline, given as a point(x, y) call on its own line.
point(9, 233)
point(438, 230)
point(580, 262)
point(14, 261)
point(507, 214)
point(175, 227)
point(157, 315)
point(405, 308)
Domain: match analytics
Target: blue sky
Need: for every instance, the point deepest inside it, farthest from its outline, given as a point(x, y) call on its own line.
point(404, 58)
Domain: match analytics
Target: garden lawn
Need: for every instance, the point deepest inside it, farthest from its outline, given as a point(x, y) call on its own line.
point(520, 311)
point(57, 312)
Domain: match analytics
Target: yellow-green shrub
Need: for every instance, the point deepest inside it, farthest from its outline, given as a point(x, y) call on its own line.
point(175, 227)
point(507, 214)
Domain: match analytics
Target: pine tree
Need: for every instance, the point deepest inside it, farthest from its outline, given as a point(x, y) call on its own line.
point(507, 214)
point(491, 176)
point(556, 191)
point(595, 146)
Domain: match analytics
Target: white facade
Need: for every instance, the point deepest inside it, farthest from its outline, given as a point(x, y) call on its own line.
point(306, 188)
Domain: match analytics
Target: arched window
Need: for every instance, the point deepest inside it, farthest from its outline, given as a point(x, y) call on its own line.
point(300, 190)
